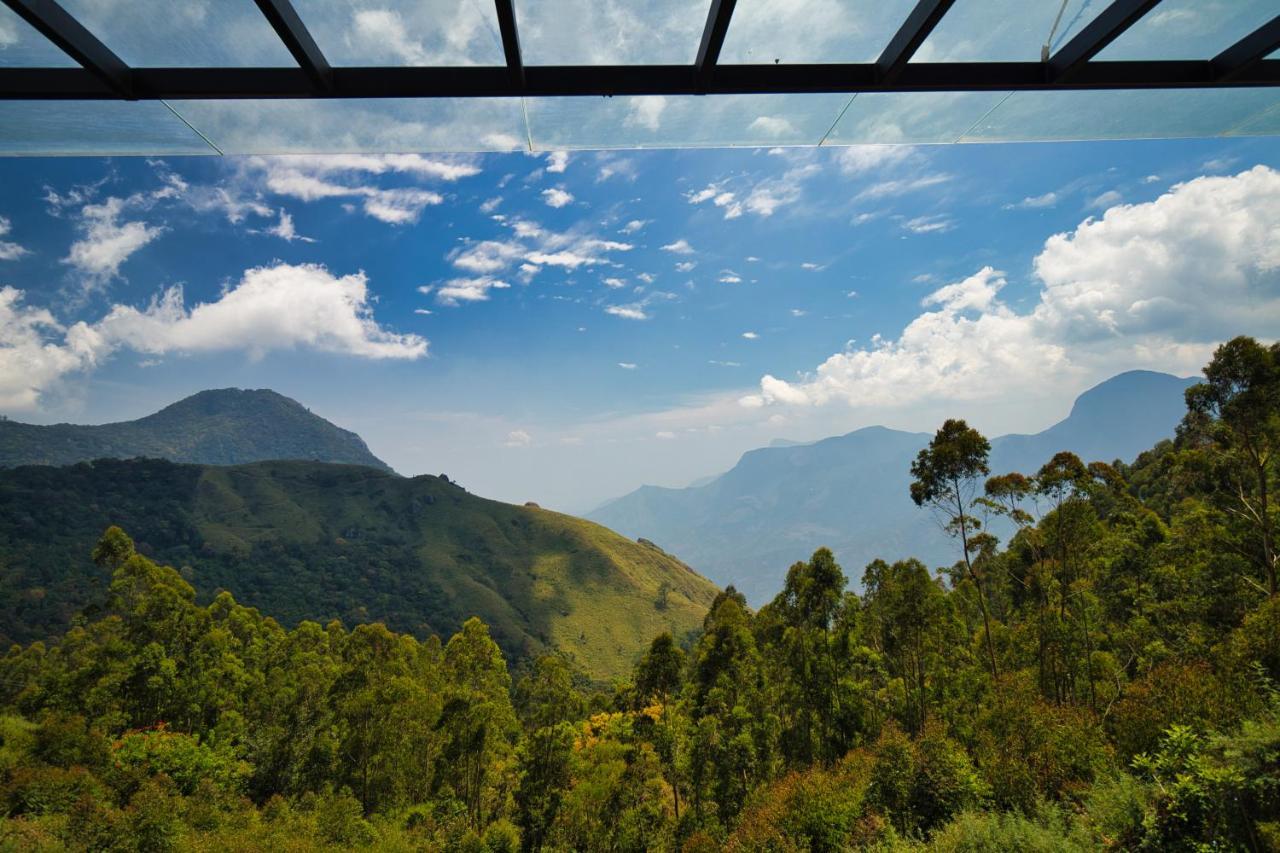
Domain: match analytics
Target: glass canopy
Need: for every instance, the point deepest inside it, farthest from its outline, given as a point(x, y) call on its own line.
point(294, 76)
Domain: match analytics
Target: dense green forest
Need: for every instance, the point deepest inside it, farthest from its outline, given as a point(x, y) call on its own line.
point(1109, 679)
point(318, 541)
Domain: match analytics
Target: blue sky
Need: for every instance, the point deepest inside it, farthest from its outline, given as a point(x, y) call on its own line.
point(565, 327)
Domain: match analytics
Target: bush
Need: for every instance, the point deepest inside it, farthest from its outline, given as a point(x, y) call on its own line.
point(998, 832)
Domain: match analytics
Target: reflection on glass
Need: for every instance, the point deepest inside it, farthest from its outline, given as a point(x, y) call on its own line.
point(1007, 30)
point(802, 31)
point(657, 121)
point(385, 125)
point(1140, 114)
point(918, 117)
point(1190, 29)
point(95, 127)
point(21, 46)
point(183, 33)
point(404, 32)
point(589, 32)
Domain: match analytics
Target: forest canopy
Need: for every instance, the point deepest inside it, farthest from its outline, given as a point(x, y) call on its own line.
point(1107, 678)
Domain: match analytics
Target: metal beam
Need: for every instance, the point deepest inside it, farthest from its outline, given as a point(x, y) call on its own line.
point(510, 39)
point(1096, 35)
point(607, 80)
point(289, 27)
point(713, 33)
point(1252, 48)
point(55, 24)
point(907, 40)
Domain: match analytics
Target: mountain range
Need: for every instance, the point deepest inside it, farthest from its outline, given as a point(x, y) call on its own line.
point(851, 492)
point(219, 427)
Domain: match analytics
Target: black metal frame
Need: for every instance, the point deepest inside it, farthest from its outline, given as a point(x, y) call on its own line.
point(104, 76)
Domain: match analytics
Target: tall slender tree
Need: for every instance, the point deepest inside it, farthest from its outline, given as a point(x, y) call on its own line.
point(947, 474)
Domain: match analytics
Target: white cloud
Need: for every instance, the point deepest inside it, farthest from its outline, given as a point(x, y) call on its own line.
point(518, 438)
point(1155, 285)
point(935, 224)
point(1049, 199)
point(1107, 199)
point(106, 242)
point(633, 226)
point(730, 277)
point(812, 267)
point(859, 159)
point(316, 177)
point(774, 126)
point(557, 161)
point(633, 311)
point(489, 205)
point(557, 197)
point(9, 251)
point(901, 186)
point(685, 266)
point(646, 111)
point(664, 434)
point(285, 231)
point(270, 308)
point(751, 336)
point(679, 247)
point(614, 283)
point(798, 312)
point(455, 291)
point(627, 365)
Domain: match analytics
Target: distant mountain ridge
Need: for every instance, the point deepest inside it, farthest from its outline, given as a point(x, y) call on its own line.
point(229, 426)
point(850, 492)
point(309, 540)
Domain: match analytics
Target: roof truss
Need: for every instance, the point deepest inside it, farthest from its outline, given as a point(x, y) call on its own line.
point(103, 75)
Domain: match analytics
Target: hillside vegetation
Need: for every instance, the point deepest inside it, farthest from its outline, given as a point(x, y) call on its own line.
point(315, 541)
point(222, 427)
point(1109, 679)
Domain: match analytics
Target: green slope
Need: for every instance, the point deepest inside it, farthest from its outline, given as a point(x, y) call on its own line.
point(221, 427)
point(304, 540)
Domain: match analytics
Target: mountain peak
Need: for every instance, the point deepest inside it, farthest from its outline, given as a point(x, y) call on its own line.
point(223, 426)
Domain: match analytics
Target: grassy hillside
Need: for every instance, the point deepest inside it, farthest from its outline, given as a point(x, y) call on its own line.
point(316, 541)
point(222, 427)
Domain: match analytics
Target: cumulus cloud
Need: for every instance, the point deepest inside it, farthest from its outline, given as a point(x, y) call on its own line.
point(106, 242)
point(9, 251)
point(557, 161)
point(679, 247)
point(557, 197)
point(277, 307)
point(759, 197)
point(633, 311)
point(1156, 284)
point(633, 226)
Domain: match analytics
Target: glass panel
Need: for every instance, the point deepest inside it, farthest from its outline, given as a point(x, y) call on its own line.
point(617, 32)
point(404, 32)
point(1141, 114)
point(387, 125)
point(1006, 30)
point(1265, 123)
point(656, 121)
point(183, 33)
point(95, 127)
point(889, 117)
point(800, 31)
point(22, 46)
point(1190, 29)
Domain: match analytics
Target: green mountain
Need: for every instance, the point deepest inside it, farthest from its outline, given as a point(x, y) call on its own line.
point(223, 427)
point(851, 492)
point(306, 540)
